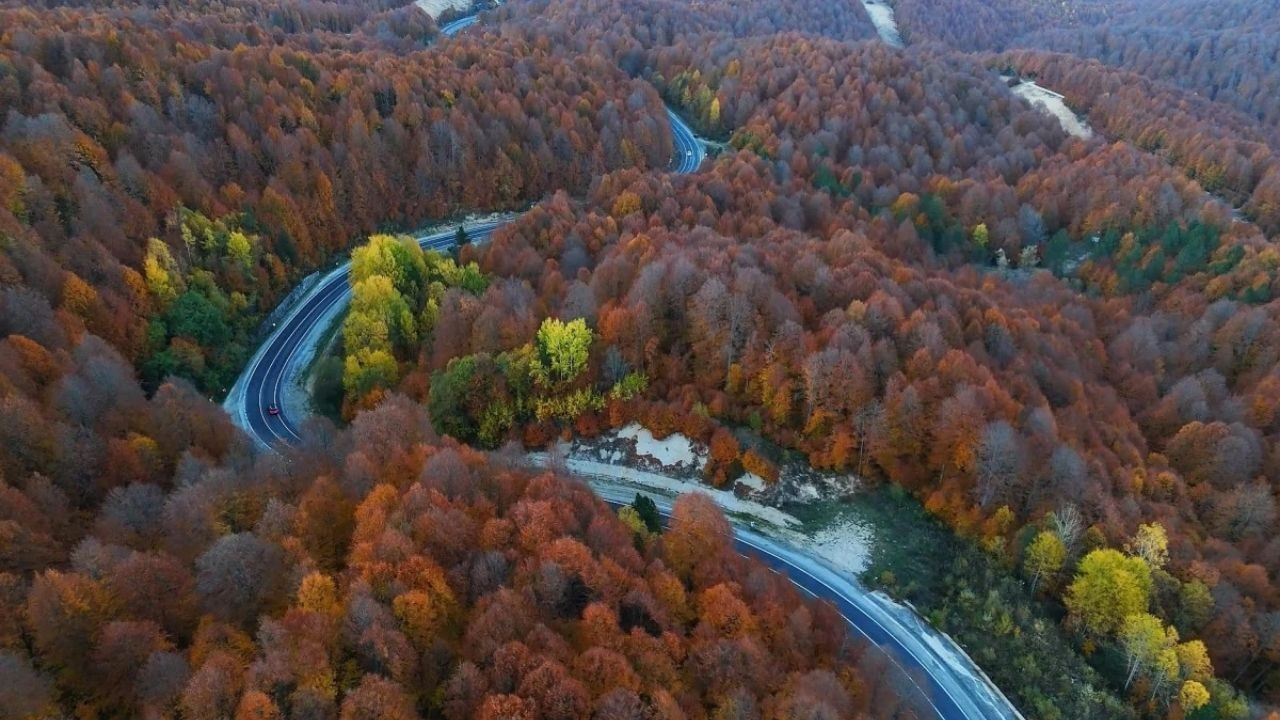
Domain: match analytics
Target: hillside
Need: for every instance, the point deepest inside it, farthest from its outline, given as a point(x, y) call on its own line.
point(1009, 272)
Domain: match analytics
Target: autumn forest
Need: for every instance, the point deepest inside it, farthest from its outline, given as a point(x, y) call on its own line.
point(1050, 343)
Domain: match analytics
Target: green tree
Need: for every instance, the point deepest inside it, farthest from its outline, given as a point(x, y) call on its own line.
point(398, 258)
point(981, 236)
point(648, 512)
point(562, 351)
point(365, 370)
point(1108, 587)
point(1044, 557)
point(449, 398)
point(194, 316)
point(1195, 606)
point(1055, 253)
point(326, 386)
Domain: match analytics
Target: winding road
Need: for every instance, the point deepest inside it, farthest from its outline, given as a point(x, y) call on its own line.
point(453, 28)
point(262, 405)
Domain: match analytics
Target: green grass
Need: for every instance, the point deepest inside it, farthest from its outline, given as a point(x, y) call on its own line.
point(970, 595)
point(324, 372)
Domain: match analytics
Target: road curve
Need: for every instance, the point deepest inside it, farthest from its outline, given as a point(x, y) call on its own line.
point(947, 682)
point(954, 688)
point(452, 28)
point(292, 343)
point(259, 401)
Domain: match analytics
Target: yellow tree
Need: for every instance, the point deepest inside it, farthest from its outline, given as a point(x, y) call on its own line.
point(1193, 696)
point(369, 369)
point(1151, 544)
point(1108, 587)
point(981, 235)
point(317, 593)
point(1044, 558)
point(164, 279)
point(379, 318)
point(240, 248)
point(1144, 640)
point(400, 259)
point(562, 351)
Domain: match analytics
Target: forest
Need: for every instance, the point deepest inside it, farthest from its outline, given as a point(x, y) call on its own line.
point(168, 180)
point(1065, 350)
point(396, 575)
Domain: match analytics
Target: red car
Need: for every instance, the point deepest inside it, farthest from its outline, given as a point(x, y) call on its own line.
point(273, 410)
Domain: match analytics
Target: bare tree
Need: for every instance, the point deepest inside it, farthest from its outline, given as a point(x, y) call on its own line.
point(1069, 524)
point(1002, 461)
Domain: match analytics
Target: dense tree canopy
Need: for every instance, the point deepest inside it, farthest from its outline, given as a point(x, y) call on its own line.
point(118, 121)
point(414, 580)
point(1066, 348)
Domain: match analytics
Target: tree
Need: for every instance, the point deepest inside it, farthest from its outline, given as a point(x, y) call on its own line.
point(1068, 524)
point(1044, 558)
point(240, 576)
point(648, 512)
point(156, 586)
point(1192, 696)
point(399, 259)
point(1143, 638)
point(1108, 587)
point(255, 705)
point(562, 351)
point(164, 279)
point(627, 203)
point(212, 692)
point(506, 707)
point(367, 370)
point(1195, 606)
point(981, 236)
point(24, 693)
point(422, 614)
point(65, 611)
point(317, 593)
point(379, 317)
point(161, 678)
point(377, 698)
point(324, 522)
point(1001, 463)
point(1151, 544)
point(697, 537)
point(121, 650)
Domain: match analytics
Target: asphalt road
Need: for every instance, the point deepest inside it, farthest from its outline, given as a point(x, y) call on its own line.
point(953, 688)
point(453, 28)
point(263, 384)
point(939, 691)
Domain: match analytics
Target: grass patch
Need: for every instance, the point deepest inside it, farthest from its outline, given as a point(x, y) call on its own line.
point(968, 594)
point(324, 373)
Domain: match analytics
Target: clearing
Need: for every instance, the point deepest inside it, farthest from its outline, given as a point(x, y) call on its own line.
point(435, 8)
point(881, 13)
point(631, 459)
point(1052, 102)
